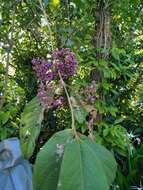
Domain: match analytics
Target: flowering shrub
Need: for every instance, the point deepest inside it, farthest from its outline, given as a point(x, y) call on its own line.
point(63, 62)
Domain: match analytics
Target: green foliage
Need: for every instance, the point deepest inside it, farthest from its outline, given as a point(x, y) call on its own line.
point(4, 117)
point(115, 137)
point(68, 163)
point(30, 126)
point(9, 121)
point(119, 94)
point(134, 174)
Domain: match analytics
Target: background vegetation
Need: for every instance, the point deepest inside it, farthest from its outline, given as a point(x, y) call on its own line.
point(107, 39)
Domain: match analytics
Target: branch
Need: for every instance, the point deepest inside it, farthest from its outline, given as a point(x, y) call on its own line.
point(9, 49)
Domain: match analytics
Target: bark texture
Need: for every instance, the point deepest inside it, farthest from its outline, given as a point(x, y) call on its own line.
point(102, 42)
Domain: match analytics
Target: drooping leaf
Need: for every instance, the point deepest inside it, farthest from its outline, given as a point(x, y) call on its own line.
point(30, 124)
point(69, 163)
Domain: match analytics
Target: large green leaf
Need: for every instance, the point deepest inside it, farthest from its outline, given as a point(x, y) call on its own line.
point(106, 158)
point(81, 169)
point(82, 164)
point(48, 162)
point(30, 126)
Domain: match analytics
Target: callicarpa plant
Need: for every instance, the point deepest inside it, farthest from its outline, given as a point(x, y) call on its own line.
point(86, 76)
point(69, 160)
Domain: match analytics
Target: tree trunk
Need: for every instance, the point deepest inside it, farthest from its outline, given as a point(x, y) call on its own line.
point(102, 43)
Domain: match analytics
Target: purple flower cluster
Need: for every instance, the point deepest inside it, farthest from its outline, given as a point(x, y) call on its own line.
point(42, 69)
point(46, 94)
point(63, 61)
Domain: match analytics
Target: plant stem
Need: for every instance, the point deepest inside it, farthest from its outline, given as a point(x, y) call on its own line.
point(70, 105)
point(62, 81)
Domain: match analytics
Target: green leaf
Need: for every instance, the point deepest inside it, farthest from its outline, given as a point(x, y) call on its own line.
point(107, 160)
point(30, 125)
point(116, 52)
point(66, 163)
point(4, 117)
point(105, 132)
point(119, 120)
point(47, 167)
point(80, 115)
point(113, 110)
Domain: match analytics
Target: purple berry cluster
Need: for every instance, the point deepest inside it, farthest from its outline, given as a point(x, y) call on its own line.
point(42, 69)
point(46, 94)
point(63, 61)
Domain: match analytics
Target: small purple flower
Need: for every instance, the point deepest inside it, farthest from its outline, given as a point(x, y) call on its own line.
point(49, 76)
point(48, 65)
point(58, 102)
point(65, 61)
